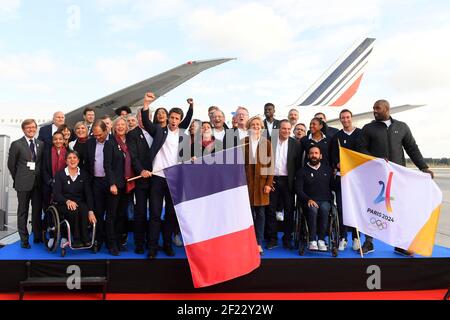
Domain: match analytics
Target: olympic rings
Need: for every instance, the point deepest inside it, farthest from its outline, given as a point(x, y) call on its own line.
point(380, 224)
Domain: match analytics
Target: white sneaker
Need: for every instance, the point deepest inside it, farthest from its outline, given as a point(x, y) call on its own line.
point(322, 245)
point(50, 242)
point(313, 245)
point(280, 216)
point(177, 240)
point(356, 244)
point(342, 245)
point(63, 242)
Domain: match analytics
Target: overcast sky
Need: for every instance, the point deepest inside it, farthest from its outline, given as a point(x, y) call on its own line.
point(64, 54)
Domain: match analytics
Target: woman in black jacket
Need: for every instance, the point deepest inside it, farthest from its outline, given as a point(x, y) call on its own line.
point(118, 169)
point(53, 161)
point(73, 195)
point(79, 145)
point(316, 137)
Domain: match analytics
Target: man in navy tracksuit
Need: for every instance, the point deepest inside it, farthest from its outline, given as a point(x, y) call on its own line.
point(313, 186)
point(386, 138)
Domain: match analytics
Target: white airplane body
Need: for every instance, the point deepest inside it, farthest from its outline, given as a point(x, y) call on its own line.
point(333, 89)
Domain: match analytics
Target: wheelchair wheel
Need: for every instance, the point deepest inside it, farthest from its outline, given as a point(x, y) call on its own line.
point(303, 235)
point(52, 229)
point(333, 235)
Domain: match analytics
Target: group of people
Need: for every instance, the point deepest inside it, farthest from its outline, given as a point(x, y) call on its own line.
point(97, 171)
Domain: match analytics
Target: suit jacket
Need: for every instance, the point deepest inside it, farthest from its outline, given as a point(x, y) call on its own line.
point(19, 155)
point(139, 151)
point(90, 154)
point(276, 125)
point(114, 163)
point(45, 134)
point(258, 174)
point(159, 137)
point(294, 159)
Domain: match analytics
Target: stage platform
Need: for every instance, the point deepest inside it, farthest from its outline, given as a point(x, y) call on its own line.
point(281, 270)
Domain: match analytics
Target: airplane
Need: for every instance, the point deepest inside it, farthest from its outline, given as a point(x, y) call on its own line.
point(333, 89)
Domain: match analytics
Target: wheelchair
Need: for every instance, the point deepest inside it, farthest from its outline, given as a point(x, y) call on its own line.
point(53, 227)
point(301, 232)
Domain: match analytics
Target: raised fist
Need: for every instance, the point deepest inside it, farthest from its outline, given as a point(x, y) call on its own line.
point(149, 97)
point(190, 101)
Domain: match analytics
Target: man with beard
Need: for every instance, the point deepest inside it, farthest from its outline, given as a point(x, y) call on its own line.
point(386, 138)
point(313, 187)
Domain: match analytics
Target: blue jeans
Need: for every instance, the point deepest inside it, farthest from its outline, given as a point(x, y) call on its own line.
point(258, 214)
point(317, 219)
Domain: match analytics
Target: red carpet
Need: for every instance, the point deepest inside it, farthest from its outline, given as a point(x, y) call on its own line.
point(388, 295)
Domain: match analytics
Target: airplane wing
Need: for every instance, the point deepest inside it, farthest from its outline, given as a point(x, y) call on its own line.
point(368, 116)
point(159, 84)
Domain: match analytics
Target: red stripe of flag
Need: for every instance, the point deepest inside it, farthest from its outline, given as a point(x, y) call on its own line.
point(223, 258)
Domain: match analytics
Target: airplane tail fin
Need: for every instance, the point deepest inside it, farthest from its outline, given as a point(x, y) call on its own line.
point(340, 82)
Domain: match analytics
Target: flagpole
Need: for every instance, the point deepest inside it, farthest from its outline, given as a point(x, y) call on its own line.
point(359, 239)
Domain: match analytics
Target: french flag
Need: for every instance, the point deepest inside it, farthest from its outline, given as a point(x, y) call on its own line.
point(213, 210)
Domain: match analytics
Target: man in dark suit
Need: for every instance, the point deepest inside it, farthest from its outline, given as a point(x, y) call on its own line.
point(270, 123)
point(287, 157)
point(170, 146)
point(46, 132)
point(89, 118)
point(139, 142)
point(24, 164)
point(100, 186)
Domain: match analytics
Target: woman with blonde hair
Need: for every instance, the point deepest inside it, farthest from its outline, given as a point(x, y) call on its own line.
point(80, 145)
point(259, 171)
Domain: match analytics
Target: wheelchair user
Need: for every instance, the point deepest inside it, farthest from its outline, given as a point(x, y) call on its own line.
point(313, 187)
point(73, 194)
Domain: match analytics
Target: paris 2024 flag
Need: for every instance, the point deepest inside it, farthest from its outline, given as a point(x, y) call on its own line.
point(392, 203)
point(213, 210)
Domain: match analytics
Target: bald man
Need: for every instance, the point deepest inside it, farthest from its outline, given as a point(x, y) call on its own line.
point(388, 138)
point(46, 132)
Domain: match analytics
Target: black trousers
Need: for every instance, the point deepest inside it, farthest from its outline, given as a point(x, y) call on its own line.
point(281, 195)
point(24, 198)
point(116, 217)
point(140, 214)
point(160, 191)
point(78, 221)
point(343, 229)
point(100, 189)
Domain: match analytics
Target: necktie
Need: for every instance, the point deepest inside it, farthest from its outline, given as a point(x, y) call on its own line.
point(33, 151)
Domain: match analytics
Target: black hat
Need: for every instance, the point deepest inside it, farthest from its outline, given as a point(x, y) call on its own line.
point(118, 111)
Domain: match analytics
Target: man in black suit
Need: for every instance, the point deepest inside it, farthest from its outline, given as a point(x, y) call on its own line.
point(89, 118)
point(287, 156)
point(167, 150)
point(139, 142)
point(270, 123)
point(24, 164)
point(46, 132)
point(100, 185)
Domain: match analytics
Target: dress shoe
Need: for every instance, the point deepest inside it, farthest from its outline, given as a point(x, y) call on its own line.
point(114, 251)
point(152, 254)
point(288, 245)
point(123, 248)
point(403, 252)
point(25, 245)
point(169, 251)
point(139, 249)
point(272, 244)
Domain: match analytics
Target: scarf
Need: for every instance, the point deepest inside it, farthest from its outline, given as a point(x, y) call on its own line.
point(128, 172)
point(58, 160)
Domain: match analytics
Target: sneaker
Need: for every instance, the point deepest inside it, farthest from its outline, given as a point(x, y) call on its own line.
point(177, 241)
point(280, 216)
point(367, 247)
point(403, 252)
point(50, 242)
point(261, 251)
point(356, 244)
point(322, 245)
point(313, 246)
point(342, 244)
